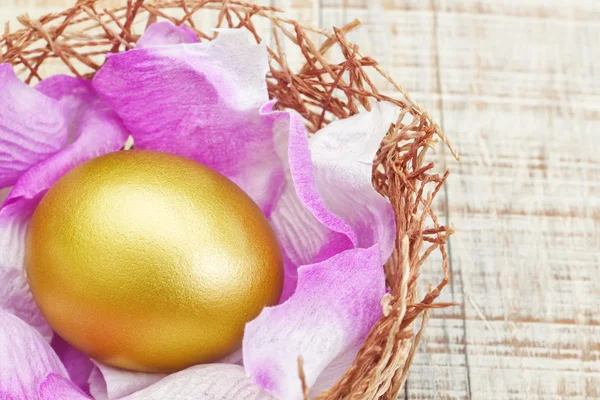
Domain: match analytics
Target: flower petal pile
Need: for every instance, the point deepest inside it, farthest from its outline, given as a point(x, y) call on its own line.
point(208, 102)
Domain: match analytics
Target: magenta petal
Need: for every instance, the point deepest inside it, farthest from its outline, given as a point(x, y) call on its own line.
point(95, 130)
point(165, 33)
point(336, 303)
point(201, 101)
point(203, 382)
point(57, 387)
point(78, 365)
point(32, 127)
point(16, 298)
point(25, 357)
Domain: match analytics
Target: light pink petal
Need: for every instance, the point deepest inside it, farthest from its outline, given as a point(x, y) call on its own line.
point(57, 387)
point(165, 33)
point(32, 127)
point(336, 303)
point(109, 383)
point(25, 359)
point(94, 130)
point(201, 101)
point(98, 388)
point(16, 298)
point(334, 371)
point(12, 240)
point(78, 365)
point(343, 154)
point(203, 382)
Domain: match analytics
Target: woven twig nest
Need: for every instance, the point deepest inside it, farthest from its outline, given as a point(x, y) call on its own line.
point(333, 81)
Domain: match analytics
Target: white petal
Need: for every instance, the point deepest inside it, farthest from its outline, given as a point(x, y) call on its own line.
point(203, 382)
point(111, 383)
point(25, 359)
point(15, 297)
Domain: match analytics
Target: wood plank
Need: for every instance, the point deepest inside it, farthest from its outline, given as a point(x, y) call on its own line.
point(521, 102)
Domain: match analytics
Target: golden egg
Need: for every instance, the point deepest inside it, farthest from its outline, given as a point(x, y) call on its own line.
point(150, 261)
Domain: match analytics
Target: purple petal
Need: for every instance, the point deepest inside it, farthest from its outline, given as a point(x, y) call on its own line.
point(203, 382)
point(201, 101)
point(78, 365)
point(25, 357)
point(56, 387)
point(15, 298)
point(32, 127)
point(109, 383)
point(335, 305)
point(95, 130)
point(165, 33)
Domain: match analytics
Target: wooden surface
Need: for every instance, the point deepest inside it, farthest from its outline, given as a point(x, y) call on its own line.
point(516, 85)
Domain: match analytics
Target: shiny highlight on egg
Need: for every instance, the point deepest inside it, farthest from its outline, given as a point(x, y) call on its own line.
point(150, 261)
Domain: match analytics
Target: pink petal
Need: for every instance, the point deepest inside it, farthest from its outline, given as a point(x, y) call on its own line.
point(341, 258)
point(32, 127)
point(94, 129)
point(336, 303)
point(203, 382)
point(57, 387)
point(25, 357)
point(109, 383)
point(16, 298)
point(165, 33)
point(345, 211)
point(78, 365)
point(201, 101)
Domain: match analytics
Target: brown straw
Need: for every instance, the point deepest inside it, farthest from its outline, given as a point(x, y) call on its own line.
point(333, 81)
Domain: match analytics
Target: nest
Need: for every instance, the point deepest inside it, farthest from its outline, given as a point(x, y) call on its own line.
point(333, 80)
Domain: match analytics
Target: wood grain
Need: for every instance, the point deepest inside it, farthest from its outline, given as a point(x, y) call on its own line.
point(516, 85)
